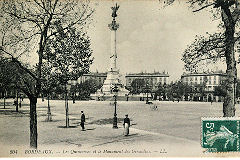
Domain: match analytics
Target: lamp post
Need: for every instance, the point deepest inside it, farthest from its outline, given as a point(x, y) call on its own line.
point(115, 90)
point(147, 89)
point(67, 87)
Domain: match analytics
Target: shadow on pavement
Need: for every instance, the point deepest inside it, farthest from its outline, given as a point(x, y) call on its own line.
point(132, 135)
point(80, 118)
point(67, 127)
point(90, 129)
point(45, 114)
point(44, 106)
point(51, 121)
point(105, 121)
point(14, 113)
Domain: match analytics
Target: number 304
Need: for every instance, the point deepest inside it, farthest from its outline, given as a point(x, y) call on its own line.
point(13, 151)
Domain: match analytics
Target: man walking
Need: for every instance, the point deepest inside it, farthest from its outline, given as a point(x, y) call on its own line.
point(126, 125)
point(82, 121)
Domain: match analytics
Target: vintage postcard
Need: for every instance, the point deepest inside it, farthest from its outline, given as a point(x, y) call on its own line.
point(119, 78)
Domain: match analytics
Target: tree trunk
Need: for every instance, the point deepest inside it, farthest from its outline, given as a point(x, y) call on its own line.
point(66, 106)
point(17, 102)
point(229, 101)
point(42, 97)
point(4, 99)
point(33, 122)
point(20, 102)
point(49, 110)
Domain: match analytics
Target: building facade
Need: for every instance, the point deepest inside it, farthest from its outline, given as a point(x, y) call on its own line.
point(153, 79)
point(208, 79)
point(99, 77)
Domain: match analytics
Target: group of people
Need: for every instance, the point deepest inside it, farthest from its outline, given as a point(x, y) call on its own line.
point(126, 123)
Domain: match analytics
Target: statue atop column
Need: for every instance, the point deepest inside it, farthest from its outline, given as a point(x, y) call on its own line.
point(114, 25)
point(114, 11)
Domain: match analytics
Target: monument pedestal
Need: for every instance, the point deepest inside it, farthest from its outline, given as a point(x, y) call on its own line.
point(106, 92)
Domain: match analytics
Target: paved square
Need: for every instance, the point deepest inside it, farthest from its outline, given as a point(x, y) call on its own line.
point(171, 130)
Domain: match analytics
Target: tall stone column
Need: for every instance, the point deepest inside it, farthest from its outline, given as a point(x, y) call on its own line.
point(113, 77)
point(113, 57)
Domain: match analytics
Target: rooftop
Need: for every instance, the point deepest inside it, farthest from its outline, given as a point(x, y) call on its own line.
point(148, 74)
point(206, 73)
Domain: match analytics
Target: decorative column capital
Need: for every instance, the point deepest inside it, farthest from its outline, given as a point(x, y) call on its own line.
point(113, 26)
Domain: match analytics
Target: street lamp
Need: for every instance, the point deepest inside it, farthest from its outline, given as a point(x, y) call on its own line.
point(147, 89)
point(115, 90)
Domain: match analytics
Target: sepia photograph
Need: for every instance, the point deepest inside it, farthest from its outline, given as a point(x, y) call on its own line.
point(119, 78)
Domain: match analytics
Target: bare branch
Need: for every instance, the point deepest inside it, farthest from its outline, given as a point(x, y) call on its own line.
point(42, 6)
point(24, 68)
point(202, 49)
point(204, 7)
point(79, 21)
point(19, 64)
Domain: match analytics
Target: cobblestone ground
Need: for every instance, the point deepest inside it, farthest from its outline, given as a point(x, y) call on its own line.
point(171, 130)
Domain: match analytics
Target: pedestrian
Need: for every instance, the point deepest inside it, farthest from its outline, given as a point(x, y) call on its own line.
point(126, 125)
point(82, 121)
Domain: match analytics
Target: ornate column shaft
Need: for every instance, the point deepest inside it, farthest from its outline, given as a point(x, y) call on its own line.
point(113, 57)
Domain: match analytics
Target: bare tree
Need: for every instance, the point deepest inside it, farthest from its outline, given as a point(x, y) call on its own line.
point(218, 46)
point(26, 27)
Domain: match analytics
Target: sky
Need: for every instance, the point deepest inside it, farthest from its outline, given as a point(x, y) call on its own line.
point(150, 37)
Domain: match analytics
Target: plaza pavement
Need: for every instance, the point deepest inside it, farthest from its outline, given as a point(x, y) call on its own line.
point(172, 130)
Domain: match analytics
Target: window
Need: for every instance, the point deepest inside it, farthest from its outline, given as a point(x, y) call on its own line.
point(201, 80)
point(154, 80)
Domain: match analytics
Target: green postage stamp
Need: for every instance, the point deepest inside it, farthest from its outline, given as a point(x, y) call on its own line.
point(220, 134)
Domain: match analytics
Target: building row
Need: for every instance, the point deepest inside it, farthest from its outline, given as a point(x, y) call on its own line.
point(210, 79)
